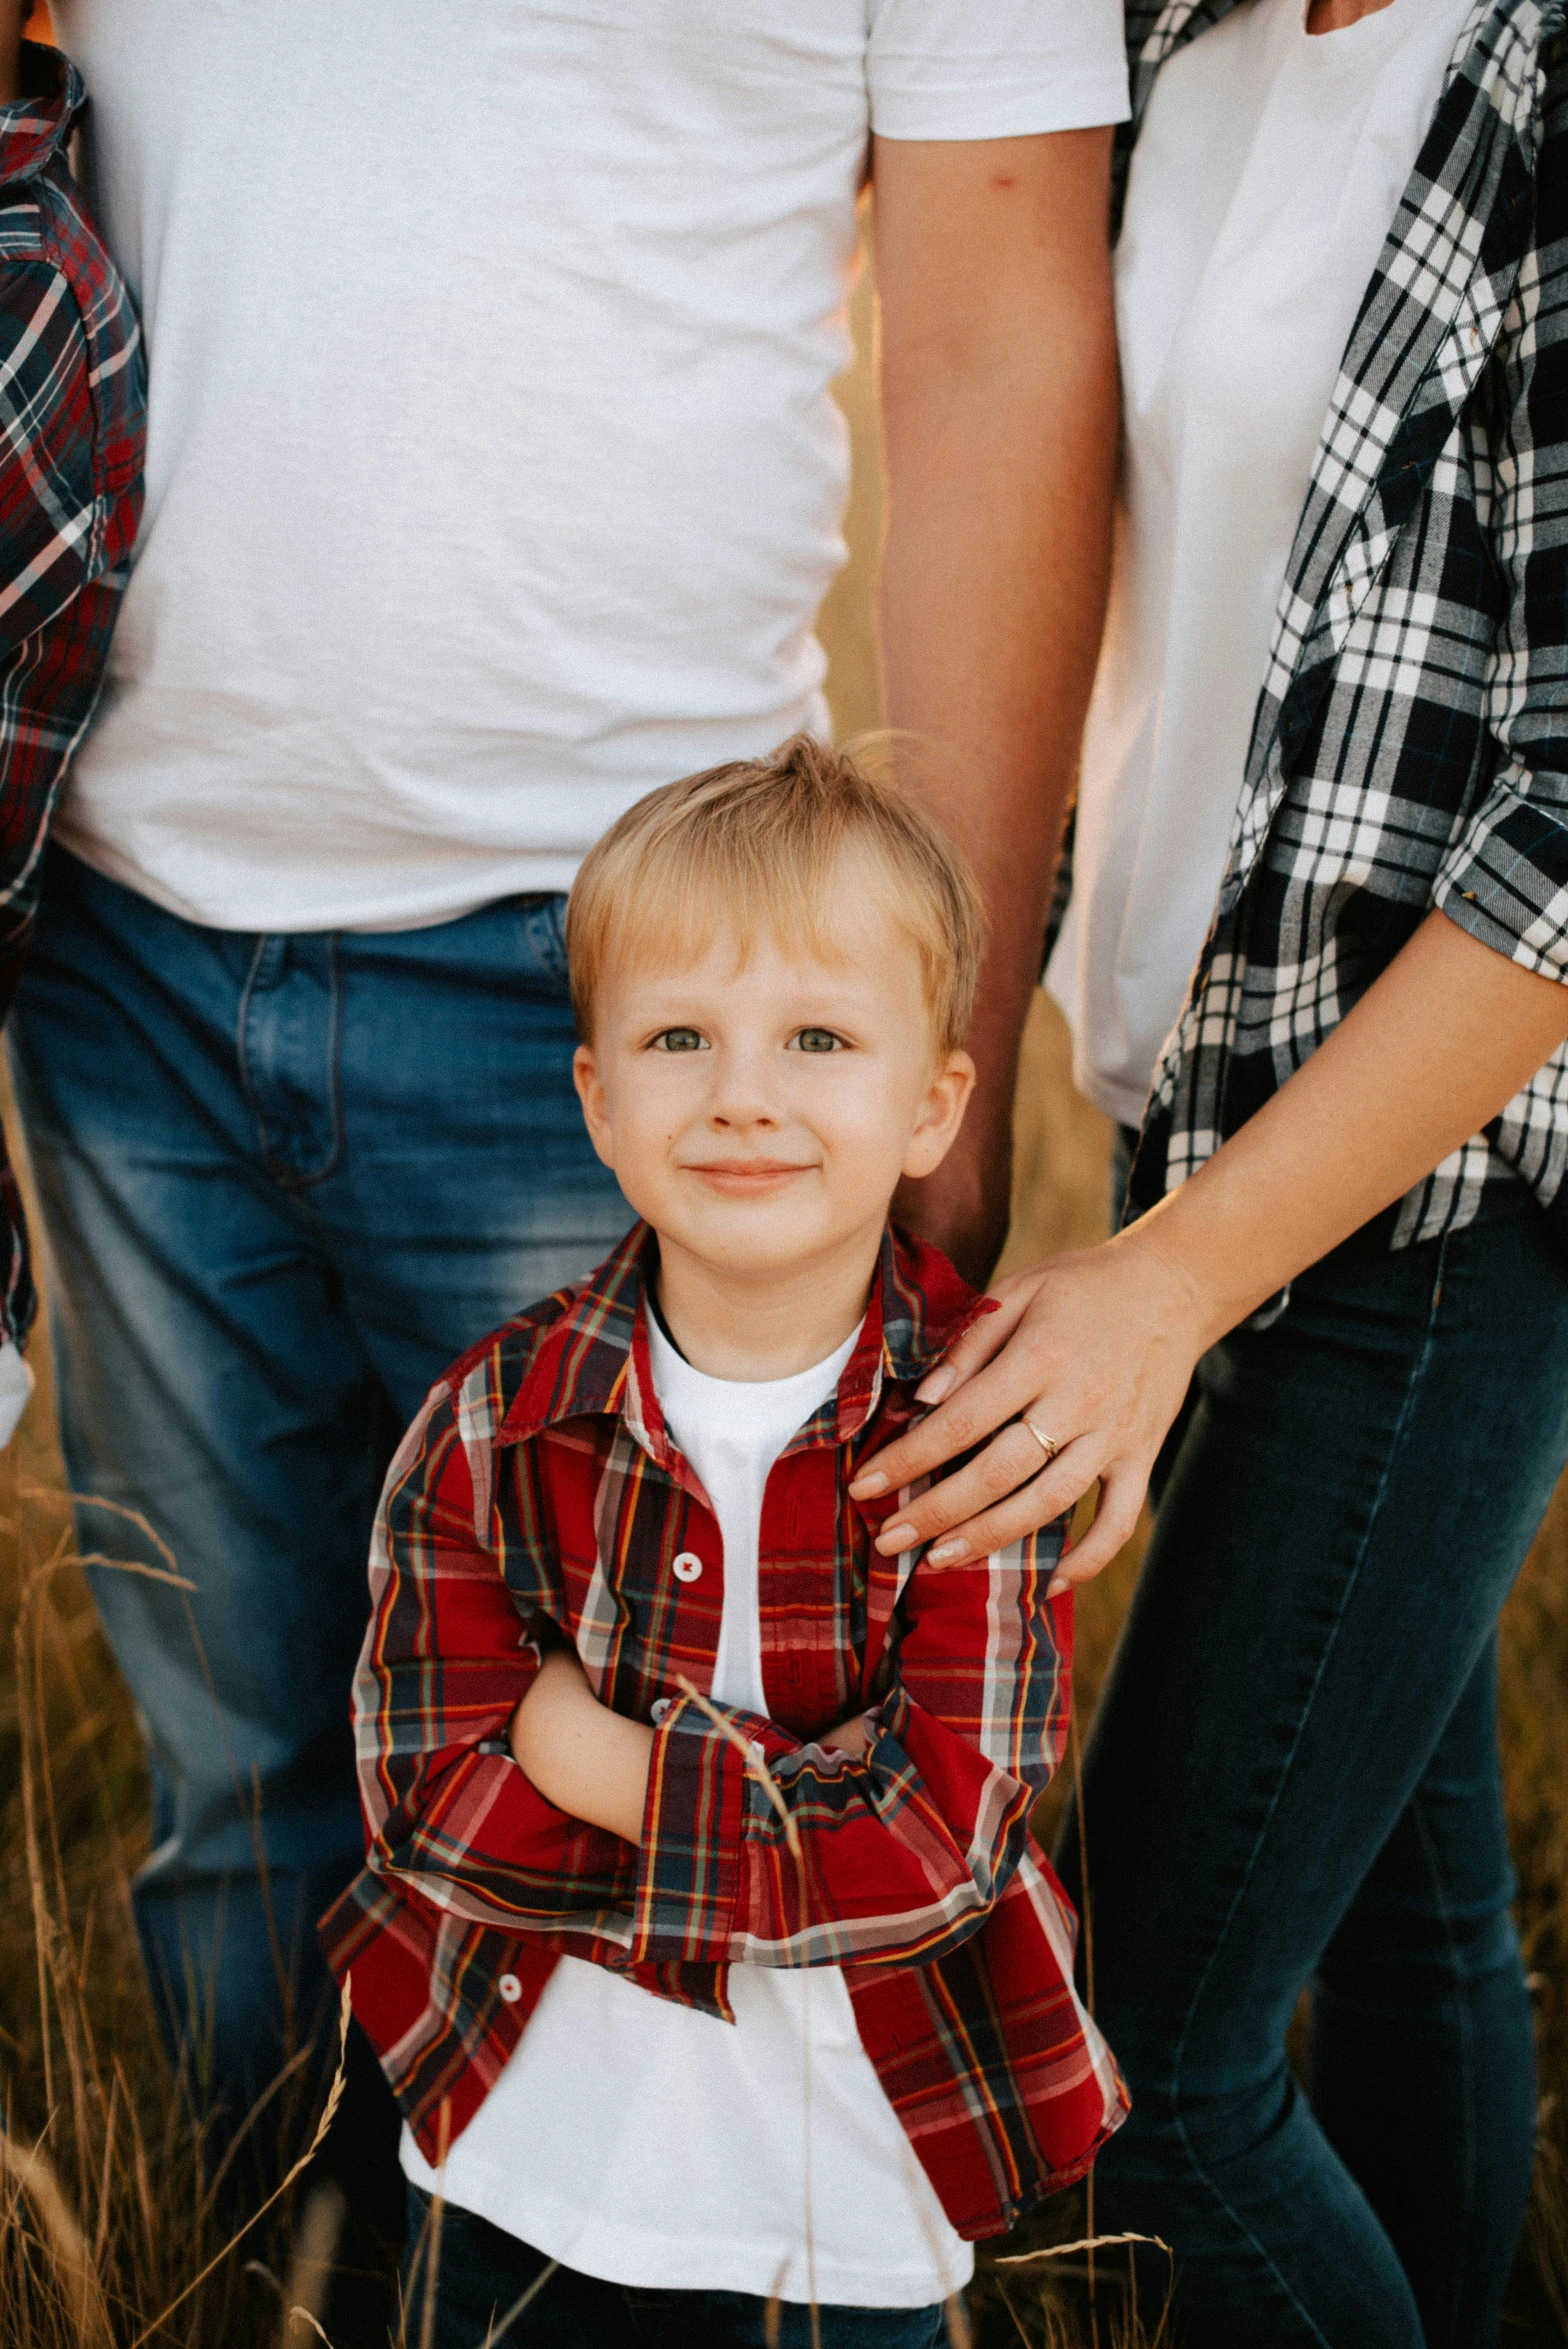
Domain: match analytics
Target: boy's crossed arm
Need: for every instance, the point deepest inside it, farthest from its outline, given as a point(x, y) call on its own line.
point(664, 1844)
point(909, 1818)
point(595, 1763)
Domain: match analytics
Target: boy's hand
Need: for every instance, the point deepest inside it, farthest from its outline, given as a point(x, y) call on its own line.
point(585, 1759)
point(850, 1736)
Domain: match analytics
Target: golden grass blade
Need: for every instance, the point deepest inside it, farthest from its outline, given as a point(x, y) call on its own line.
point(427, 2329)
point(1018, 2325)
point(329, 2113)
point(303, 2316)
point(504, 2324)
point(1086, 2243)
point(33, 2175)
point(755, 1763)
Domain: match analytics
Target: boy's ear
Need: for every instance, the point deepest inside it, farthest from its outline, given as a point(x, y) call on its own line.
point(590, 1092)
point(941, 1115)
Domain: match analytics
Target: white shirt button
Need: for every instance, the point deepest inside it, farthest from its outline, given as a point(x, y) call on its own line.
point(660, 1707)
point(510, 1988)
point(687, 1567)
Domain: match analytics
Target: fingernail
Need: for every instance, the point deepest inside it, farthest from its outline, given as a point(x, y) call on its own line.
point(896, 1537)
point(866, 1487)
point(932, 1389)
point(946, 1551)
point(1057, 1587)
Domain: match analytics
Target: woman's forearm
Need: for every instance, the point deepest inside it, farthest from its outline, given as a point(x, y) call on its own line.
point(1089, 1355)
point(1434, 1049)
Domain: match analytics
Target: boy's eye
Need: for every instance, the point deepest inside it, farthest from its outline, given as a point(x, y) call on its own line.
point(678, 1040)
point(818, 1040)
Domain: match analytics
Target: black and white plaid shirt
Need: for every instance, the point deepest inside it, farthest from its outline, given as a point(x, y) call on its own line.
point(1410, 748)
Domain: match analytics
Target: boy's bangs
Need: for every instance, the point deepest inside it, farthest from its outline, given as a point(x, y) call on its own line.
point(701, 891)
point(801, 846)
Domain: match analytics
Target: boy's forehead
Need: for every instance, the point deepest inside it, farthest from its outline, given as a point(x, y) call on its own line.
point(860, 945)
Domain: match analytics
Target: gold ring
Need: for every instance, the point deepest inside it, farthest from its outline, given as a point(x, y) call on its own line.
point(1047, 1447)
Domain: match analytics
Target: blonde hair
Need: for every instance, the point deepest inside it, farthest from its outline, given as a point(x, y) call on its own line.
point(759, 843)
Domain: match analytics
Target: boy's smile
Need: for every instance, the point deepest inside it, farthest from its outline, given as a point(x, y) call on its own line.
point(759, 1113)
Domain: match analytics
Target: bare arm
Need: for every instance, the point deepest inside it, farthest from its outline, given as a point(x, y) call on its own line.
point(585, 1759)
point(1098, 1347)
point(999, 405)
point(593, 1763)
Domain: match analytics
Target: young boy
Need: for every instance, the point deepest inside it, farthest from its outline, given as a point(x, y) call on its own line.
point(72, 436)
point(701, 1938)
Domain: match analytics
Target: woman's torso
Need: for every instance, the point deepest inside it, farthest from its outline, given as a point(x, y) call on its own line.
point(1269, 168)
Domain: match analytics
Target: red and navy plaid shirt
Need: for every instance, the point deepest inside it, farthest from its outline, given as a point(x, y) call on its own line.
point(538, 1497)
point(73, 399)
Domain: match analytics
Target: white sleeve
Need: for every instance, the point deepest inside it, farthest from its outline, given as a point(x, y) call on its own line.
point(995, 69)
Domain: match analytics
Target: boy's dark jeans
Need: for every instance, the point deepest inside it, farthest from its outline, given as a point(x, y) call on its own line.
point(483, 2272)
point(1293, 1781)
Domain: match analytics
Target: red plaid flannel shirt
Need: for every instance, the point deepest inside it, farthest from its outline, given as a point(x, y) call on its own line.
point(538, 1496)
point(73, 395)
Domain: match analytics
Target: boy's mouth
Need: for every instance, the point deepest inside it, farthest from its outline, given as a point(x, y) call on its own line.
point(742, 1178)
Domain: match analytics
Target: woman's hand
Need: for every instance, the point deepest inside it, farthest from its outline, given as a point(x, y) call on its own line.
point(1096, 1349)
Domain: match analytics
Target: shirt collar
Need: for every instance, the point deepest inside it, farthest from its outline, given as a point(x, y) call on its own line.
point(595, 1359)
point(35, 127)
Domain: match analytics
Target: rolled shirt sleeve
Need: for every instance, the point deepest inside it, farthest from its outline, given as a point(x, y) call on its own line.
point(995, 69)
point(1505, 879)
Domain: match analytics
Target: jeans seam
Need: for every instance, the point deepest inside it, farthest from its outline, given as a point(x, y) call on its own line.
point(1412, 1385)
point(1465, 2035)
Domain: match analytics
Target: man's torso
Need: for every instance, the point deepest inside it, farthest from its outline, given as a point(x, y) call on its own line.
point(494, 473)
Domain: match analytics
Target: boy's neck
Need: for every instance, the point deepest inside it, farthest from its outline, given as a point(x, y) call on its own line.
point(10, 56)
point(752, 1326)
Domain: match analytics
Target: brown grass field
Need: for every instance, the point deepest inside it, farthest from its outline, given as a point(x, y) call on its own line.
point(106, 2236)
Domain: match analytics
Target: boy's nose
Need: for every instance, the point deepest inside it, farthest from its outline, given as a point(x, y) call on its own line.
point(733, 1115)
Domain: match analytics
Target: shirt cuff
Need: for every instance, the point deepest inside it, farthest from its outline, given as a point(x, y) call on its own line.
point(1506, 881)
point(689, 1877)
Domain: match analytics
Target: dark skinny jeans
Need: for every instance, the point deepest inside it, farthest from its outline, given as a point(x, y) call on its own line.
point(1293, 1783)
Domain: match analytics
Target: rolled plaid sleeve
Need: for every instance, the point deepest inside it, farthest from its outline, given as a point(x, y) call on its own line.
point(898, 1858)
point(451, 1650)
point(1505, 880)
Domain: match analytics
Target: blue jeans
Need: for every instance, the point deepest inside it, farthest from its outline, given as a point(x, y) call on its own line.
point(482, 2272)
point(284, 1181)
point(1293, 1783)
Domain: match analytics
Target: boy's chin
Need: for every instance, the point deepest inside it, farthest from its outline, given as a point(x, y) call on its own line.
point(756, 1240)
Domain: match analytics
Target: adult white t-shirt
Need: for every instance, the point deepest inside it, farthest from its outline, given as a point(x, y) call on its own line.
point(653, 2145)
point(493, 474)
point(1265, 179)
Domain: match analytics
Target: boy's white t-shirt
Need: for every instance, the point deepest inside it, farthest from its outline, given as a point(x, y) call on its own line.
point(493, 473)
point(650, 2144)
